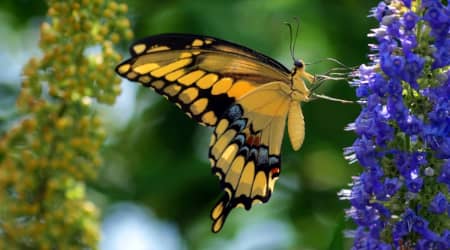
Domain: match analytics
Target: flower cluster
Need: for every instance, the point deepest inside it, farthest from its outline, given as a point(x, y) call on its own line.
point(401, 199)
point(46, 158)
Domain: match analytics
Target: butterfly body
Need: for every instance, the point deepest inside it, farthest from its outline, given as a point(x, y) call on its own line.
point(246, 96)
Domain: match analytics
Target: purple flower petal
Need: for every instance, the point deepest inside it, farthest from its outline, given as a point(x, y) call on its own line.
point(438, 204)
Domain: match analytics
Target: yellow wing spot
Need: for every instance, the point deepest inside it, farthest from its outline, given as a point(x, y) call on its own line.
point(191, 77)
point(188, 95)
point(256, 201)
point(218, 225)
point(211, 162)
point(272, 181)
point(222, 86)
point(139, 48)
point(235, 171)
point(175, 75)
point(209, 118)
point(241, 205)
point(145, 79)
point(178, 105)
point(228, 191)
point(157, 48)
point(227, 157)
point(195, 52)
point(207, 81)
point(172, 89)
point(208, 41)
point(197, 43)
point(171, 67)
point(185, 55)
point(217, 211)
point(222, 142)
point(146, 68)
point(259, 185)
point(246, 180)
point(157, 84)
point(131, 75)
point(124, 68)
point(199, 106)
point(188, 114)
point(240, 88)
point(223, 124)
point(213, 140)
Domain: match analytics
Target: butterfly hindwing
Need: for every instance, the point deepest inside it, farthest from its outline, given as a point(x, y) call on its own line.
point(202, 75)
point(245, 149)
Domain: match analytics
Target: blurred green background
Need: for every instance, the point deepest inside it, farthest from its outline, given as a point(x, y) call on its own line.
point(156, 188)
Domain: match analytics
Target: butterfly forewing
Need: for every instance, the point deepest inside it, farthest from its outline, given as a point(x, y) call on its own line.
point(202, 75)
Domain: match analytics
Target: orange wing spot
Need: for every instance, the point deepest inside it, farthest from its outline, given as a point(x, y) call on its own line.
point(253, 140)
point(256, 141)
point(275, 171)
point(240, 88)
point(250, 140)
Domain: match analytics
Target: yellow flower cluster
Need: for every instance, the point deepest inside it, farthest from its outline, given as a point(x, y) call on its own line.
point(46, 158)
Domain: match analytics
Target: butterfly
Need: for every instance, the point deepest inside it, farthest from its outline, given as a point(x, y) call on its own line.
point(246, 96)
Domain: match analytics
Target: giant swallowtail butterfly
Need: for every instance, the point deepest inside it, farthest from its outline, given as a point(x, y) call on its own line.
point(246, 96)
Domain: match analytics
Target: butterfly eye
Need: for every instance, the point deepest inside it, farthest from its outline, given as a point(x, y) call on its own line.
point(298, 64)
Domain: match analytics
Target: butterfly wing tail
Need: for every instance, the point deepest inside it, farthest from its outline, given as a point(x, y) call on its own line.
point(220, 213)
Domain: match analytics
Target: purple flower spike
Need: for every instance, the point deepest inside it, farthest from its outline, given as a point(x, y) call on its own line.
point(400, 200)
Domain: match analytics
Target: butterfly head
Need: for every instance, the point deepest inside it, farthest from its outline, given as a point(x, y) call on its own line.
point(299, 72)
point(299, 64)
point(300, 91)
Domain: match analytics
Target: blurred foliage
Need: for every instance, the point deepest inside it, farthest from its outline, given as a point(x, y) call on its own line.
point(159, 159)
point(52, 150)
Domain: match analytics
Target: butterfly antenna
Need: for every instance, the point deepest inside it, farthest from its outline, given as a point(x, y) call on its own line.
point(291, 42)
point(293, 37)
point(296, 35)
